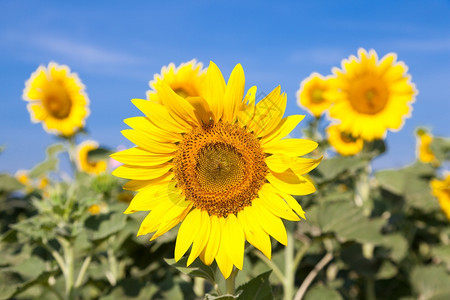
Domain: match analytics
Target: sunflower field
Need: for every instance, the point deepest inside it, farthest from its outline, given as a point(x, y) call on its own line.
point(218, 200)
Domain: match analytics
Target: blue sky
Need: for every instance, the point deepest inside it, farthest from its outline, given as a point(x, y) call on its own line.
point(117, 46)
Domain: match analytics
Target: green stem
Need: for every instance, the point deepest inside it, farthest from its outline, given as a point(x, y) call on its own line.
point(69, 262)
point(83, 270)
point(272, 265)
point(289, 269)
point(300, 254)
point(370, 288)
point(230, 282)
point(362, 189)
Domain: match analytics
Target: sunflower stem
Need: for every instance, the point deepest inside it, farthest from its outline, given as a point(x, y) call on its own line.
point(362, 189)
point(289, 270)
point(230, 282)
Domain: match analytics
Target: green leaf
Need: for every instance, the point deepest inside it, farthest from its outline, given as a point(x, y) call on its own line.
point(8, 183)
point(349, 222)
point(50, 163)
point(397, 245)
point(441, 148)
point(322, 292)
point(256, 289)
point(442, 252)
point(103, 225)
point(99, 154)
point(332, 167)
point(431, 282)
point(196, 269)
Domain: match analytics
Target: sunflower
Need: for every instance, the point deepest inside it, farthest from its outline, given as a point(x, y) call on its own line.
point(344, 143)
point(424, 152)
point(57, 99)
point(82, 159)
point(186, 80)
point(371, 95)
point(218, 165)
point(441, 190)
point(313, 96)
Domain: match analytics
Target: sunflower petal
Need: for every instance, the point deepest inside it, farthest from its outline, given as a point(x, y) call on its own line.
point(234, 240)
point(271, 224)
point(142, 173)
point(290, 183)
point(283, 129)
point(234, 92)
point(201, 109)
point(187, 232)
point(155, 133)
point(201, 238)
point(214, 90)
point(291, 147)
point(159, 115)
point(179, 108)
point(275, 204)
point(210, 251)
point(140, 157)
point(143, 140)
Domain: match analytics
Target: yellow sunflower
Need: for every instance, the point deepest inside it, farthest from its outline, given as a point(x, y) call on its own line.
point(186, 80)
point(218, 165)
point(424, 152)
point(344, 143)
point(57, 99)
point(83, 162)
point(313, 96)
point(441, 190)
point(372, 95)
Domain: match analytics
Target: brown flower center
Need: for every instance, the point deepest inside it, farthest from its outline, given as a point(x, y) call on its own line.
point(368, 94)
point(57, 100)
point(220, 167)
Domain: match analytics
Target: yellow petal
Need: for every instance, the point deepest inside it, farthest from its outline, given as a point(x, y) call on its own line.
point(201, 109)
point(201, 238)
point(174, 215)
point(141, 157)
point(159, 115)
point(223, 261)
point(264, 110)
point(136, 185)
point(291, 201)
point(234, 240)
point(210, 251)
point(143, 140)
point(283, 129)
point(274, 115)
point(215, 90)
point(276, 205)
point(234, 92)
point(280, 163)
point(247, 108)
point(150, 196)
point(271, 224)
point(155, 133)
point(291, 147)
point(290, 183)
point(187, 232)
point(141, 173)
point(254, 234)
point(180, 109)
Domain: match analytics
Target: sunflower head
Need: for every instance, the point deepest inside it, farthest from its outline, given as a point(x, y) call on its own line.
point(441, 190)
point(217, 164)
point(372, 95)
point(56, 98)
point(83, 162)
point(343, 142)
point(313, 94)
point(423, 149)
point(186, 80)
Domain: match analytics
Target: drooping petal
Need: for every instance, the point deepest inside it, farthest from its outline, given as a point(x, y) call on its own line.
point(140, 157)
point(141, 173)
point(271, 224)
point(155, 133)
point(234, 240)
point(201, 238)
point(142, 139)
point(254, 234)
point(187, 232)
point(275, 204)
point(215, 236)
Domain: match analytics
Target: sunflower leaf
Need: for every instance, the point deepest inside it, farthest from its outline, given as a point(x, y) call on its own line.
point(322, 292)
point(196, 269)
point(257, 288)
point(431, 282)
